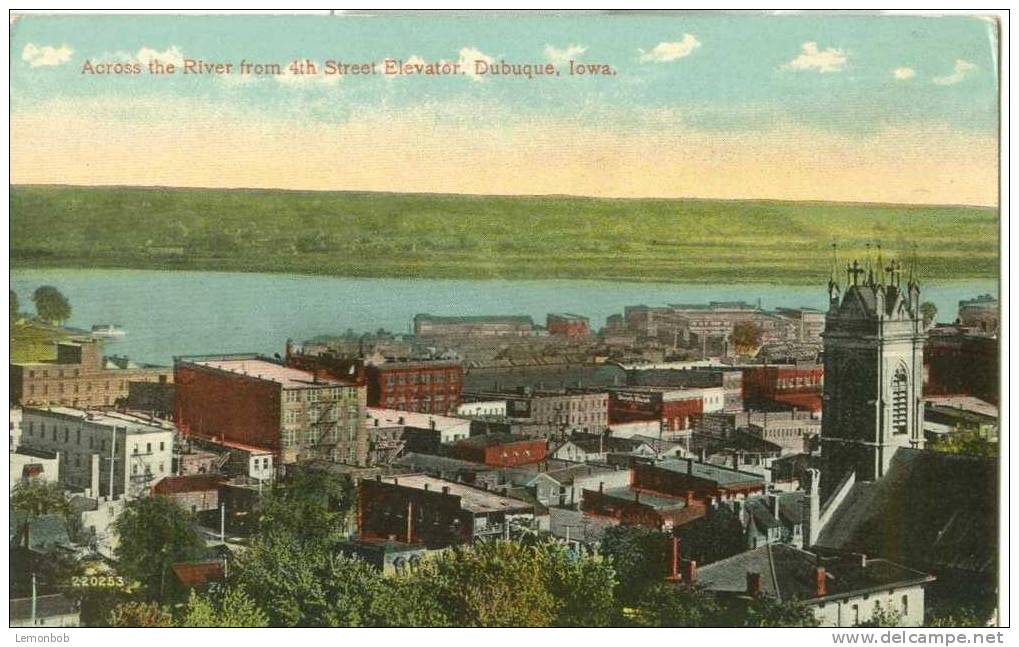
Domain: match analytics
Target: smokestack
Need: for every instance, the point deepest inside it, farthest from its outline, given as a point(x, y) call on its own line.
point(820, 582)
point(754, 585)
point(675, 559)
point(690, 572)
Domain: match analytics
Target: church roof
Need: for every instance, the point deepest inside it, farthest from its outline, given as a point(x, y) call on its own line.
point(931, 510)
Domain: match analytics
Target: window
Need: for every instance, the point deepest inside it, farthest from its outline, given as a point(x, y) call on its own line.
point(148, 448)
point(900, 405)
point(905, 605)
point(856, 615)
point(162, 446)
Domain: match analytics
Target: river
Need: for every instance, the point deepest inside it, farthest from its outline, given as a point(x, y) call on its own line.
point(166, 314)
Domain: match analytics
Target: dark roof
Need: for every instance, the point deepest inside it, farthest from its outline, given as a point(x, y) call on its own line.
point(45, 532)
point(440, 464)
point(643, 497)
point(789, 573)
point(790, 510)
point(723, 476)
point(551, 376)
point(931, 510)
point(198, 573)
point(46, 606)
point(592, 443)
point(190, 483)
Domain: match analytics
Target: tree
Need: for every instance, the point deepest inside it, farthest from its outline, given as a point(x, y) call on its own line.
point(583, 585)
point(36, 498)
point(154, 534)
point(666, 605)
point(746, 337)
point(965, 442)
point(302, 584)
point(51, 305)
point(958, 617)
point(140, 614)
point(882, 617)
point(495, 584)
point(233, 609)
point(14, 307)
point(929, 311)
point(766, 611)
point(409, 600)
point(311, 505)
point(640, 557)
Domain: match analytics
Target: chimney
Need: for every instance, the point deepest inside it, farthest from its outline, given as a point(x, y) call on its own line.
point(601, 487)
point(704, 454)
point(688, 498)
point(754, 585)
point(396, 481)
point(775, 504)
point(820, 582)
point(690, 572)
point(376, 420)
point(431, 423)
point(378, 478)
point(445, 489)
point(636, 496)
point(426, 487)
point(689, 466)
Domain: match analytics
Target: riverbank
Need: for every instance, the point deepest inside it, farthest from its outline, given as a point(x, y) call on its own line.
point(402, 236)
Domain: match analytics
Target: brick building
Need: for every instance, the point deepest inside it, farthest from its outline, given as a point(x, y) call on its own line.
point(195, 492)
point(632, 506)
point(676, 409)
point(437, 513)
point(677, 477)
point(568, 325)
point(728, 378)
point(783, 387)
point(958, 362)
point(500, 450)
point(426, 325)
point(255, 402)
point(424, 385)
point(80, 377)
point(556, 412)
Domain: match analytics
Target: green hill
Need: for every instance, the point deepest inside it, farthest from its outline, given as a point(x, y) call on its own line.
point(462, 236)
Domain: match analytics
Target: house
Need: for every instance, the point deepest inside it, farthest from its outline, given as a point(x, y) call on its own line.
point(423, 509)
point(55, 610)
point(34, 465)
point(633, 506)
point(386, 555)
point(195, 492)
point(676, 477)
point(842, 590)
point(585, 448)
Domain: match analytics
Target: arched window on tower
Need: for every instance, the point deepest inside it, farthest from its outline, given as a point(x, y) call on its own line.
point(900, 402)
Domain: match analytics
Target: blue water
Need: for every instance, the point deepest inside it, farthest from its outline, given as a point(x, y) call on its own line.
point(190, 313)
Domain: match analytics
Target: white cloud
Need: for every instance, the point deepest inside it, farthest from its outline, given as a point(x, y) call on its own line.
point(903, 73)
point(665, 52)
point(562, 56)
point(46, 56)
point(814, 58)
point(292, 80)
point(467, 57)
point(960, 72)
point(172, 54)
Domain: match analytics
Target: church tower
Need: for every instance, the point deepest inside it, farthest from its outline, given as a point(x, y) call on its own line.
point(873, 373)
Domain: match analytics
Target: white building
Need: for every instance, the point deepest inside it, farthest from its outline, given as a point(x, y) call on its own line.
point(102, 451)
point(28, 464)
point(448, 428)
point(482, 409)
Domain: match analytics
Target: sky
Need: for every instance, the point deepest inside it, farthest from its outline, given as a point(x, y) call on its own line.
point(801, 107)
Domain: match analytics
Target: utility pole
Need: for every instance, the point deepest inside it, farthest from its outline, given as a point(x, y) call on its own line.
point(222, 522)
point(113, 460)
point(34, 596)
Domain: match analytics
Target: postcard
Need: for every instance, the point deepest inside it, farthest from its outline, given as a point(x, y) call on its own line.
point(506, 319)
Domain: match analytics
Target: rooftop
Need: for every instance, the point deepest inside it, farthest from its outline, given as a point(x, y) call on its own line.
point(516, 319)
point(721, 475)
point(471, 499)
point(199, 573)
point(262, 369)
point(656, 501)
point(492, 440)
point(132, 423)
point(397, 418)
point(789, 573)
point(46, 606)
